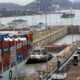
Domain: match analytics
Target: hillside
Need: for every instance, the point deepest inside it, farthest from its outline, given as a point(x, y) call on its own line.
point(36, 7)
point(48, 5)
point(45, 6)
point(9, 6)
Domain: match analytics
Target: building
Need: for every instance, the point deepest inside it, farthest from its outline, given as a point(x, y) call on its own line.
point(18, 23)
point(39, 27)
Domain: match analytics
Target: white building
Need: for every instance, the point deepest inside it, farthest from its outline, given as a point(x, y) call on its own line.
point(39, 27)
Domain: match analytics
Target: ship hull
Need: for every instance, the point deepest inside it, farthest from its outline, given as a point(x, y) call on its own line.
point(35, 60)
point(68, 16)
point(11, 73)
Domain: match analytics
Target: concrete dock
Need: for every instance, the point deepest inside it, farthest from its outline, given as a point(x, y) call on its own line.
point(51, 37)
point(47, 69)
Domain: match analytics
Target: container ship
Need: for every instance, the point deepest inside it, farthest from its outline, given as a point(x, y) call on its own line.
point(13, 54)
point(68, 15)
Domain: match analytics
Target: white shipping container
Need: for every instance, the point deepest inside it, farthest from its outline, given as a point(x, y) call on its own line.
point(13, 53)
point(19, 45)
point(13, 48)
point(12, 59)
point(13, 56)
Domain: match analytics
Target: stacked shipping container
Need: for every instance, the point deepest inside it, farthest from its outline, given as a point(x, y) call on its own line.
point(12, 50)
point(4, 52)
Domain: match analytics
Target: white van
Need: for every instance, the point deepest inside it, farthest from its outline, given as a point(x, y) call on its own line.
point(58, 76)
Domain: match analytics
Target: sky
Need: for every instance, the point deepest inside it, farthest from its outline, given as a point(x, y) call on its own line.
point(21, 2)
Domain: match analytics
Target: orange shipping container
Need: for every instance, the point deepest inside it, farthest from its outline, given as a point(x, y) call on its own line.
point(5, 44)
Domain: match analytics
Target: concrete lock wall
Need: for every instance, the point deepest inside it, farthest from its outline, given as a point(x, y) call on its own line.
point(52, 37)
point(74, 29)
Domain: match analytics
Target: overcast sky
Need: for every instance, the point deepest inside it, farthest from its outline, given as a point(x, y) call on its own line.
point(21, 2)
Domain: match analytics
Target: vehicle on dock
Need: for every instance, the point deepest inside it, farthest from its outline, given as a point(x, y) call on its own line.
point(39, 55)
point(75, 59)
point(58, 76)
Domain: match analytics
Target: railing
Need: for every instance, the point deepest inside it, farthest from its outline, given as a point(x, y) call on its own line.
point(55, 69)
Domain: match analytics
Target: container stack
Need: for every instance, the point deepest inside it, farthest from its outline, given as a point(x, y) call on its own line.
point(4, 52)
point(19, 51)
point(12, 51)
point(29, 36)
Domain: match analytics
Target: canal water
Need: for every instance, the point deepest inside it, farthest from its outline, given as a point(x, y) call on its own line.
point(67, 39)
point(29, 69)
point(52, 19)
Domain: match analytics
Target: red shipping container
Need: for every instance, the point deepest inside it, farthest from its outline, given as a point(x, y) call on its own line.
point(6, 59)
point(0, 44)
point(19, 50)
point(0, 65)
point(24, 55)
point(26, 50)
point(17, 42)
point(11, 43)
point(27, 46)
point(29, 36)
point(5, 44)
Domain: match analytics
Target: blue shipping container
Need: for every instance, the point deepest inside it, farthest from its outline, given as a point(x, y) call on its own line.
point(2, 36)
point(19, 57)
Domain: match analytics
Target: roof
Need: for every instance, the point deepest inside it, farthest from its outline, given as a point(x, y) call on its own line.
point(19, 20)
point(39, 25)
